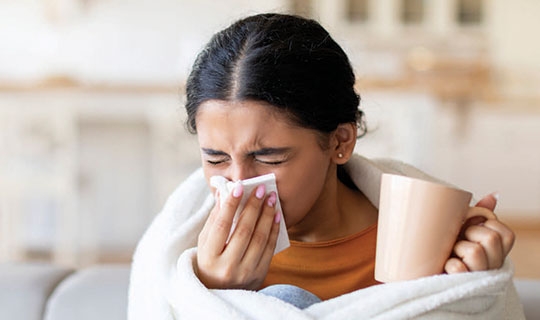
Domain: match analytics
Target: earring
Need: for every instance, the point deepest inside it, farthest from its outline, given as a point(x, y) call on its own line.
point(340, 155)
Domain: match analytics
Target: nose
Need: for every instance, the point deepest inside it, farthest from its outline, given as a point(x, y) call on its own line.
point(240, 171)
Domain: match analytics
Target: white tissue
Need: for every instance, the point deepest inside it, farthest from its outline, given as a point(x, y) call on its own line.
point(226, 186)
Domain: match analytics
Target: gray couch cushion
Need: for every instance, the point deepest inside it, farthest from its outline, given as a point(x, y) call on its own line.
point(529, 294)
point(25, 288)
point(95, 293)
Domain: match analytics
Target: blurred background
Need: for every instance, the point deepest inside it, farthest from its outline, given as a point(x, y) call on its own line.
point(92, 138)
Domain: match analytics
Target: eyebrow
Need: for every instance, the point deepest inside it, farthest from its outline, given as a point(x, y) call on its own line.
point(260, 152)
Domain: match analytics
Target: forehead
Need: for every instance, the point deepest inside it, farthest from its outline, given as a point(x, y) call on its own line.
point(220, 110)
point(245, 122)
point(241, 116)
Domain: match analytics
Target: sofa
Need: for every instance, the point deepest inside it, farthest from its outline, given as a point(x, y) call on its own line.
point(32, 291)
point(43, 291)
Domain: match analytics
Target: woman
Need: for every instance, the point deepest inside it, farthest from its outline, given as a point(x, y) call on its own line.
point(275, 93)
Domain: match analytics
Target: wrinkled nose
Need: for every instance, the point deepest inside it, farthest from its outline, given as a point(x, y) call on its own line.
point(239, 171)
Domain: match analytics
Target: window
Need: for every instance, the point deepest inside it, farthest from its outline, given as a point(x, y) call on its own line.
point(412, 11)
point(469, 12)
point(357, 10)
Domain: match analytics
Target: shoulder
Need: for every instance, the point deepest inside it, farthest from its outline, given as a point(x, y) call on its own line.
point(366, 174)
point(408, 170)
point(382, 165)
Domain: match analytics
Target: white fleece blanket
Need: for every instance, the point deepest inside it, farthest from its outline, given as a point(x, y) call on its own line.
point(163, 283)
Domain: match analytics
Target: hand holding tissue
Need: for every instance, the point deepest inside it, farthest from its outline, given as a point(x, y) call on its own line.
point(225, 187)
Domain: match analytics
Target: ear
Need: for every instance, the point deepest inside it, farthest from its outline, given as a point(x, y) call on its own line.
point(343, 142)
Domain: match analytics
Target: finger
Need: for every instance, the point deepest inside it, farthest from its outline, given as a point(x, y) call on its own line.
point(266, 258)
point(472, 255)
point(507, 235)
point(259, 239)
point(210, 220)
point(478, 216)
point(454, 265)
point(491, 242)
point(220, 229)
point(246, 224)
point(489, 201)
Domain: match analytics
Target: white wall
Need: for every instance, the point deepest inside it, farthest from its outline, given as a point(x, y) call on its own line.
point(500, 151)
point(483, 149)
point(155, 42)
point(513, 33)
point(116, 41)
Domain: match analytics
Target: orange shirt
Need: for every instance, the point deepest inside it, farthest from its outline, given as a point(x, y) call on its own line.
point(327, 269)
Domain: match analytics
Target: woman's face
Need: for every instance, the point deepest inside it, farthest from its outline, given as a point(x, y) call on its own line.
point(241, 140)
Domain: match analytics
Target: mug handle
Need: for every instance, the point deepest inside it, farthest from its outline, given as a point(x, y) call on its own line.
point(471, 214)
point(479, 213)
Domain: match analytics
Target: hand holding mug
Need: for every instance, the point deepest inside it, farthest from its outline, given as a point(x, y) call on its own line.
point(483, 244)
point(419, 222)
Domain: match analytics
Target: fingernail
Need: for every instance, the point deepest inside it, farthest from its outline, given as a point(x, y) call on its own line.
point(272, 199)
point(260, 191)
point(277, 219)
point(496, 196)
point(237, 192)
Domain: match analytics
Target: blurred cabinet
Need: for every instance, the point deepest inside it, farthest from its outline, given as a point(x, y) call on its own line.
point(82, 174)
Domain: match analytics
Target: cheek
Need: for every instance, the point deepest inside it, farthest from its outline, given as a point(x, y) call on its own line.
point(300, 188)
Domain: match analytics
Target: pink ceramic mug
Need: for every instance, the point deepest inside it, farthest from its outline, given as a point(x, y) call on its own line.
point(419, 222)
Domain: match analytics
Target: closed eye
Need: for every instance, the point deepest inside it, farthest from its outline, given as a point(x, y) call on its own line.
point(273, 163)
point(265, 153)
point(215, 162)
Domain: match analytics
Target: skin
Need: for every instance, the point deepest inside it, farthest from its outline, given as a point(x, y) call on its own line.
point(244, 139)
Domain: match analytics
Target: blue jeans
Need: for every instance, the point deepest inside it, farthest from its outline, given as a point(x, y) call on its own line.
point(294, 295)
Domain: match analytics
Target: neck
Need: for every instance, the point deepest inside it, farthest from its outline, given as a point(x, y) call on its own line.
point(326, 219)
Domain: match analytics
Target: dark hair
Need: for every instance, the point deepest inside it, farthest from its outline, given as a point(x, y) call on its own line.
point(287, 61)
